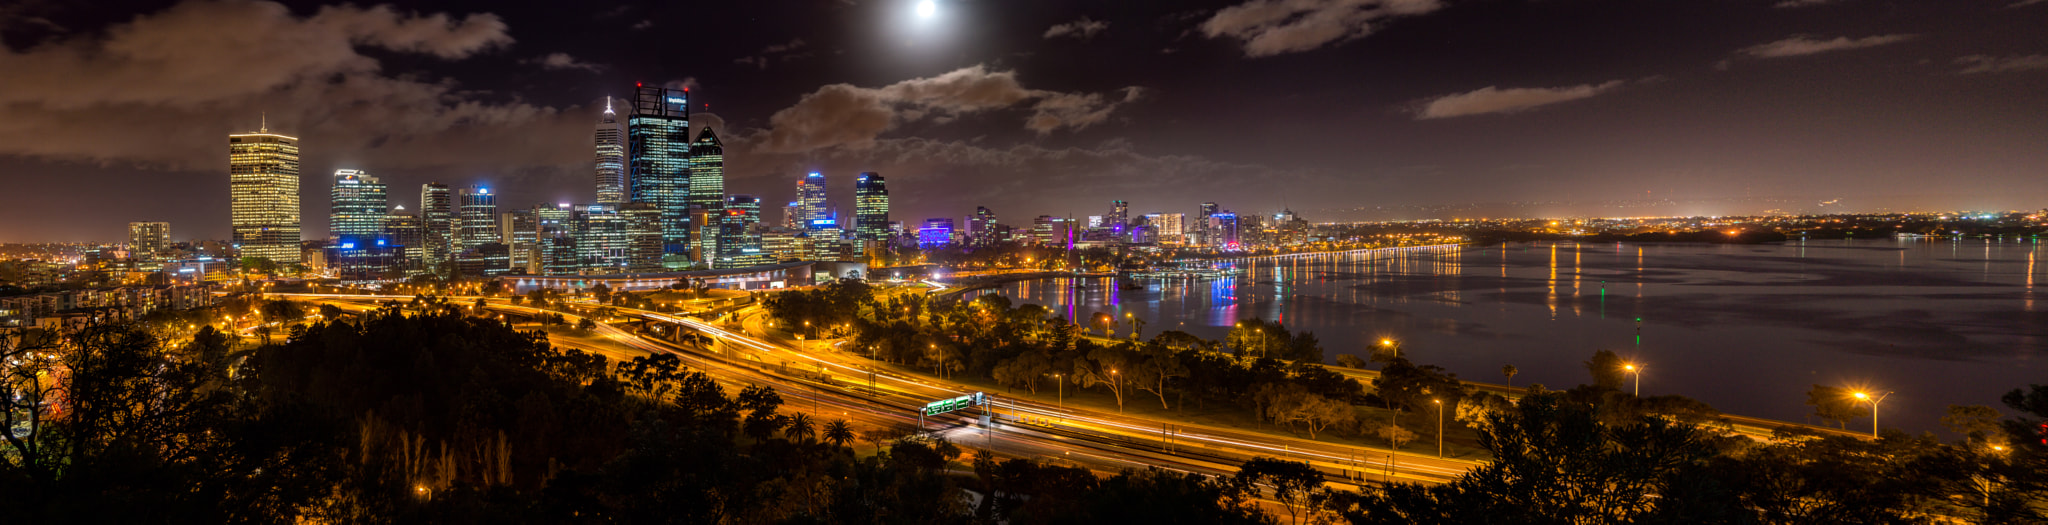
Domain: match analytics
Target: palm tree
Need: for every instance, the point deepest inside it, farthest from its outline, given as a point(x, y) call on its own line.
point(838, 433)
point(800, 428)
point(1509, 371)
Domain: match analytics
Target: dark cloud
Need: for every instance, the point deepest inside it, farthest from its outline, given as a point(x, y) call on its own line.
point(1991, 64)
point(775, 53)
point(1801, 45)
point(1080, 29)
point(167, 86)
point(1491, 99)
point(852, 116)
point(1273, 27)
point(564, 61)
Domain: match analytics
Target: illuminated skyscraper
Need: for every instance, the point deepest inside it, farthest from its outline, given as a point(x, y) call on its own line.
point(611, 157)
point(871, 207)
point(658, 153)
point(263, 198)
point(478, 223)
point(1119, 215)
point(357, 205)
point(811, 192)
point(707, 193)
point(437, 226)
point(146, 239)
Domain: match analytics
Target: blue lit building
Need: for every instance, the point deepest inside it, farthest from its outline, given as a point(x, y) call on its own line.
point(935, 233)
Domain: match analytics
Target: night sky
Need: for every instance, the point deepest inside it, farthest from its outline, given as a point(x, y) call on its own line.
point(113, 112)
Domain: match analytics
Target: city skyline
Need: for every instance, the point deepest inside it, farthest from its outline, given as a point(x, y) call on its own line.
point(1388, 107)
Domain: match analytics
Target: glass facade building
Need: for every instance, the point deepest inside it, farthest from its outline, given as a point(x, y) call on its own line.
point(658, 160)
point(871, 207)
point(356, 205)
point(477, 223)
point(437, 226)
point(707, 193)
point(810, 194)
point(263, 198)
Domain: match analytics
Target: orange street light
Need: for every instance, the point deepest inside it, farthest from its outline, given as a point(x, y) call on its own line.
point(1874, 400)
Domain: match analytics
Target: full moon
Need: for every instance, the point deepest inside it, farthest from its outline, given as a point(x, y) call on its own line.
point(927, 9)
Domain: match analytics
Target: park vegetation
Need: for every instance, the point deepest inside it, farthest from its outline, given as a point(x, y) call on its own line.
point(422, 412)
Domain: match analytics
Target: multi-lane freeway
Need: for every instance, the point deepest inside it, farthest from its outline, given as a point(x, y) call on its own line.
point(842, 386)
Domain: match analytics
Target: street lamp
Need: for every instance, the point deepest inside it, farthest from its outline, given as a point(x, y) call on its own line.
point(1439, 427)
point(1118, 383)
point(1638, 373)
point(1063, 389)
point(1862, 396)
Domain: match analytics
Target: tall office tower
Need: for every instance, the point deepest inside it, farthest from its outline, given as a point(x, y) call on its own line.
point(793, 214)
point(935, 233)
point(263, 198)
point(646, 235)
point(611, 157)
point(871, 207)
point(707, 194)
point(357, 205)
point(811, 192)
point(518, 229)
point(405, 230)
point(477, 222)
point(554, 249)
point(658, 155)
point(147, 239)
point(1119, 215)
point(437, 226)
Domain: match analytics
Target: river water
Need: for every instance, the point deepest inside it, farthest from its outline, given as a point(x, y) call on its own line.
point(1746, 328)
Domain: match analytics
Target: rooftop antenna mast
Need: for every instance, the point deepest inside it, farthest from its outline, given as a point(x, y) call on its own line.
point(263, 125)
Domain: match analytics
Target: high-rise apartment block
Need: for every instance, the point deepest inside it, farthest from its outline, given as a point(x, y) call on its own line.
point(263, 198)
point(610, 139)
point(658, 160)
point(147, 239)
point(981, 227)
